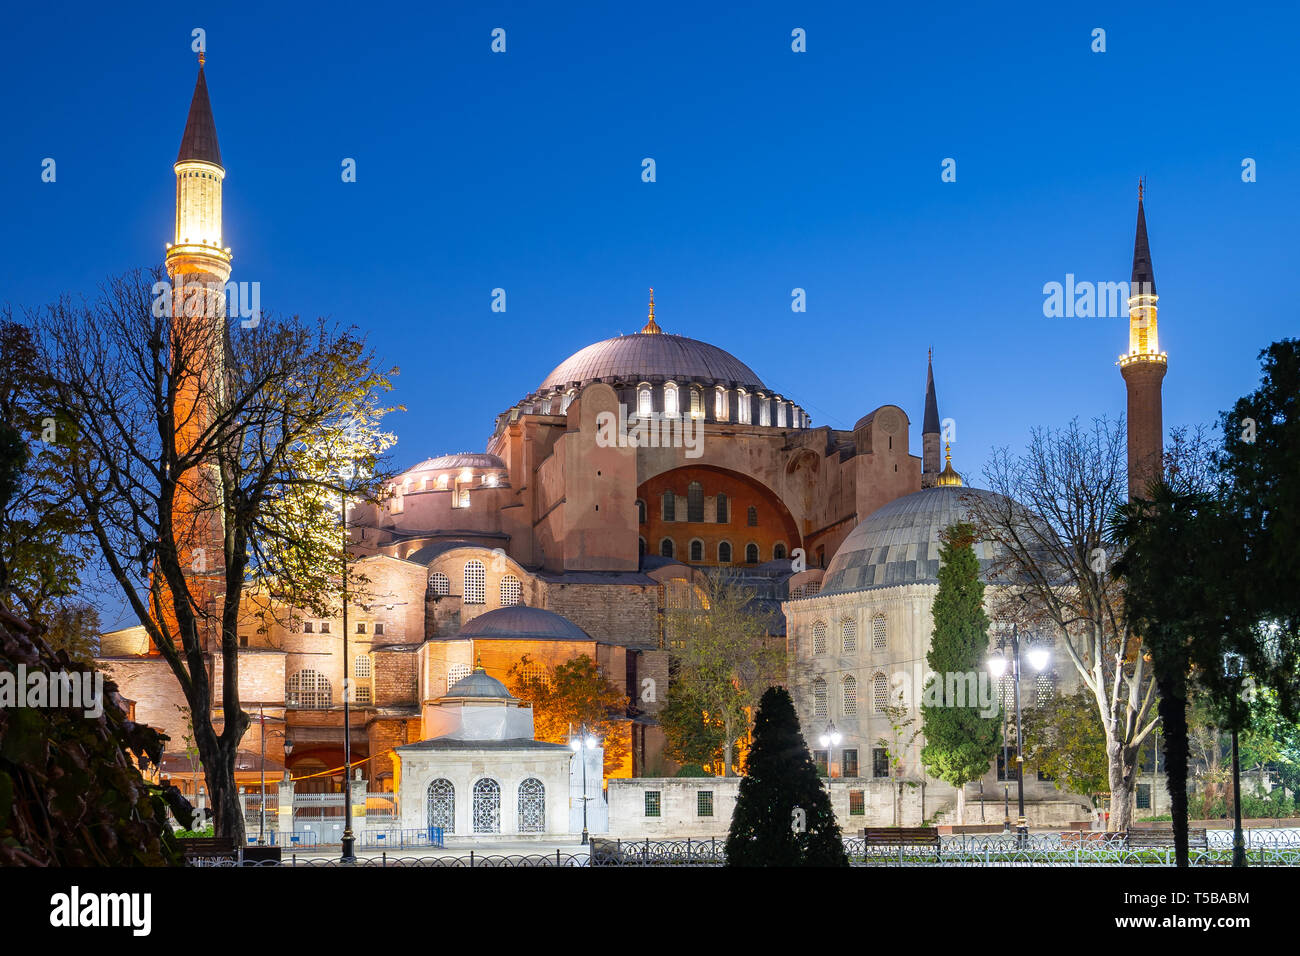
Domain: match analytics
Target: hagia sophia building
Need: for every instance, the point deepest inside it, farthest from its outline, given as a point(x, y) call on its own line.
point(577, 529)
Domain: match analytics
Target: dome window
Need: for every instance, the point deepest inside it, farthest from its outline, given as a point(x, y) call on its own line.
point(764, 410)
point(742, 407)
point(697, 404)
point(671, 409)
point(644, 402)
point(720, 404)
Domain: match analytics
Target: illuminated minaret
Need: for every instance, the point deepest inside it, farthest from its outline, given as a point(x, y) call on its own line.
point(1143, 369)
point(198, 264)
point(930, 430)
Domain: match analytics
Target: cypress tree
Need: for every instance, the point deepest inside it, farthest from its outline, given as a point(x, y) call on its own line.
point(780, 776)
point(959, 741)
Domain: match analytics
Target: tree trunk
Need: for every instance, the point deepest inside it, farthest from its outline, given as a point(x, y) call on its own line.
point(1122, 762)
point(961, 805)
point(227, 814)
point(1173, 714)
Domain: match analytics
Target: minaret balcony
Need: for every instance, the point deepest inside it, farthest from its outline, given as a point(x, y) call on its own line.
point(1160, 358)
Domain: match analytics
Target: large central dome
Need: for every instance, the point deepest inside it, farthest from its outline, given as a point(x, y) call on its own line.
point(643, 357)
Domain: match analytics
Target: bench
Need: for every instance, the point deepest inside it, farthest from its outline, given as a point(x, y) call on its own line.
point(911, 838)
point(1163, 837)
point(208, 848)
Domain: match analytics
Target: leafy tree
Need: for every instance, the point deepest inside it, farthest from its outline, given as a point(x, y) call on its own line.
point(693, 737)
point(1063, 739)
point(204, 457)
point(73, 626)
point(571, 695)
point(902, 734)
point(960, 740)
point(780, 777)
point(1049, 526)
point(722, 656)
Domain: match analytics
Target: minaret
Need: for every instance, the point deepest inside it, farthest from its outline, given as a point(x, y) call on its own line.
point(1143, 369)
point(930, 430)
point(199, 265)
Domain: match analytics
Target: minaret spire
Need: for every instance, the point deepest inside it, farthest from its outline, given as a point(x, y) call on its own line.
point(930, 429)
point(1143, 367)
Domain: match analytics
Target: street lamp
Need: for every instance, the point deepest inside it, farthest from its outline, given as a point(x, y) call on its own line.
point(1233, 666)
point(346, 473)
point(997, 665)
point(830, 738)
point(288, 749)
point(581, 743)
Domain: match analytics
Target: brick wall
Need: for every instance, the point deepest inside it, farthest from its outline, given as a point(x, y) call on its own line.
point(616, 614)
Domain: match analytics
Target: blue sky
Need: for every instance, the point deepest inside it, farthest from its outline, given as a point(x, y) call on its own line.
point(775, 170)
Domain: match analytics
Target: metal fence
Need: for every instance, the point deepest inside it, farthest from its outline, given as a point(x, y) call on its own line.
point(382, 837)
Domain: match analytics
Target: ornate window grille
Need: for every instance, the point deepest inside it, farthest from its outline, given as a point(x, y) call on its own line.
point(857, 803)
point(652, 803)
point(440, 584)
point(532, 806)
point(849, 635)
point(309, 690)
point(442, 805)
point(880, 693)
point(487, 806)
point(1044, 687)
point(819, 637)
point(704, 803)
point(475, 583)
point(361, 666)
point(879, 633)
point(850, 689)
point(537, 673)
point(821, 703)
point(849, 763)
point(511, 591)
point(455, 673)
point(363, 693)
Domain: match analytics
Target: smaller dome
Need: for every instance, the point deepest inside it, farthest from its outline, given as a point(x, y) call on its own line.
point(478, 685)
point(462, 460)
point(520, 622)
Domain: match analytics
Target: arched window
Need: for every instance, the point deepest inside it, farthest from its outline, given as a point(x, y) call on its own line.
point(442, 482)
point(670, 506)
point(751, 553)
point(671, 409)
point(780, 414)
point(720, 404)
point(878, 632)
point(764, 410)
point(695, 501)
point(640, 511)
point(644, 402)
point(849, 635)
point(697, 549)
point(724, 552)
point(442, 805)
point(475, 583)
point(723, 513)
point(697, 404)
point(456, 673)
point(821, 704)
point(487, 806)
point(640, 547)
point(511, 591)
point(308, 690)
point(742, 406)
point(880, 693)
point(666, 548)
point(778, 551)
point(849, 690)
point(751, 516)
point(439, 584)
point(532, 806)
point(568, 400)
point(819, 637)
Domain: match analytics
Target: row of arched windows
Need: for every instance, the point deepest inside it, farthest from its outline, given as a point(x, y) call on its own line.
point(849, 635)
point(849, 696)
point(670, 508)
point(485, 809)
point(696, 551)
point(476, 585)
point(672, 405)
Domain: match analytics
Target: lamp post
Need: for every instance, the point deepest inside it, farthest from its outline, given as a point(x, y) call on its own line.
point(349, 840)
point(830, 738)
point(581, 744)
point(1232, 669)
point(1038, 658)
point(288, 748)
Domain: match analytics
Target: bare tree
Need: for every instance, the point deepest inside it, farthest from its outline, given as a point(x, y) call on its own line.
point(1049, 529)
point(207, 458)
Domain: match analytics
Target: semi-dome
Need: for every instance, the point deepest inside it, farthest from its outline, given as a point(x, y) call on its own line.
point(478, 685)
point(461, 460)
point(899, 543)
point(520, 622)
point(642, 356)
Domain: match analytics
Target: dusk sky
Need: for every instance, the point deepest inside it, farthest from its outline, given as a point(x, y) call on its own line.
point(775, 170)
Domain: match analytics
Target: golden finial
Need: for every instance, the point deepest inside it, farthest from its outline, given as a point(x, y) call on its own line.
point(478, 661)
point(948, 478)
point(651, 327)
point(201, 58)
point(1141, 183)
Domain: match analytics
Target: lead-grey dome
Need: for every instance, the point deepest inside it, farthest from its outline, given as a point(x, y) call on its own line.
point(479, 684)
point(520, 622)
point(465, 459)
point(899, 543)
point(640, 357)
